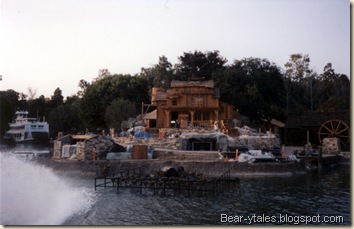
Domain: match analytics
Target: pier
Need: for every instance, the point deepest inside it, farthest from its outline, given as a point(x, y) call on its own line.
point(318, 160)
point(172, 181)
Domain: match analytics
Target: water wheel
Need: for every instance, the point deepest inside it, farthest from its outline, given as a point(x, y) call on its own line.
point(335, 129)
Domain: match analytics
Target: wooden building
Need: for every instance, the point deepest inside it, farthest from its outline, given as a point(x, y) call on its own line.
point(314, 126)
point(190, 103)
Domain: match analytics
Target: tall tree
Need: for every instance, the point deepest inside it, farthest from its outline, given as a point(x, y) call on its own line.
point(163, 73)
point(199, 64)
point(102, 73)
point(119, 111)
point(83, 85)
point(252, 78)
point(295, 70)
point(335, 90)
point(297, 67)
point(100, 94)
point(56, 99)
point(8, 105)
point(31, 93)
point(37, 107)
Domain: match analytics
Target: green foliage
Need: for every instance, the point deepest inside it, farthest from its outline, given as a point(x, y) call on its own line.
point(64, 118)
point(253, 86)
point(256, 87)
point(8, 105)
point(101, 93)
point(199, 64)
point(297, 67)
point(37, 106)
point(163, 73)
point(57, 98)
point(119, 111)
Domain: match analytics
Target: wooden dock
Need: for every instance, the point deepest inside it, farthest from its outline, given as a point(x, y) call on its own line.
point(320, 161)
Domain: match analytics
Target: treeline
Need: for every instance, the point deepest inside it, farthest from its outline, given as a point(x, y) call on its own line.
point(256, 87)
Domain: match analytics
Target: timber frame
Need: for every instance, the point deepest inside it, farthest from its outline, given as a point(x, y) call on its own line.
point(192, 103)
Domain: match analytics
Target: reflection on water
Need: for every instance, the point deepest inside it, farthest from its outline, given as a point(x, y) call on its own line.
point(42, 196)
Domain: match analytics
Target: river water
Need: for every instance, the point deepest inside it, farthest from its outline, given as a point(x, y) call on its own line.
point(33, 194)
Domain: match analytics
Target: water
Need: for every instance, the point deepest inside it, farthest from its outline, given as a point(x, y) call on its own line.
point(32, 194)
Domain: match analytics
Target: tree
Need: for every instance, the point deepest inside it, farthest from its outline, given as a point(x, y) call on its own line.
point(295, 70)
point(64, 118)
point(199, 64)
point(8, 104)
point(83, 85)
point(119, 111)
point(102, 73)
point(163, 73)
point(297, 67)
point(37, 107)
point(31, 93)
point(252, 103)
point(313, 89)
point(100, 94)
point(56, 99)
point(335, 90)
point(253, 78)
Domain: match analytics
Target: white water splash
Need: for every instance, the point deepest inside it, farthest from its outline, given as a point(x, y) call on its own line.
point(34, 195)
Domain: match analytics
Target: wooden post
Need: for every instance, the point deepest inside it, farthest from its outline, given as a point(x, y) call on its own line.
point(94, 154)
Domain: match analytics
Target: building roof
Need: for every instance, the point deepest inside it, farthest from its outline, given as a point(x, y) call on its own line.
point(170, 93)
point(315, 119)
point(151, 115)
point(161, 95)
point(205, 83)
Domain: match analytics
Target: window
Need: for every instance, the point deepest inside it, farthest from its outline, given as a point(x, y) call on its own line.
point(174, 102)
point(197, 101)
point(201, 116)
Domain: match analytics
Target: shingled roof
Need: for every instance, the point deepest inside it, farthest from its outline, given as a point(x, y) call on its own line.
point(316, 118)
point(206, 83)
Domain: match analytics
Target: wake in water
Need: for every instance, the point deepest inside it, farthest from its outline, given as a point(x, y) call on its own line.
point(32, 194)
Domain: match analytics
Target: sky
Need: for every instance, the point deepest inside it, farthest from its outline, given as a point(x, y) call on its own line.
point(50, 44)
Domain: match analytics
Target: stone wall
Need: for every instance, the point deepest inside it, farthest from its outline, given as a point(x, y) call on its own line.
point(173, 142)
point(331, 146)
point(100, 144)
point(258, 142)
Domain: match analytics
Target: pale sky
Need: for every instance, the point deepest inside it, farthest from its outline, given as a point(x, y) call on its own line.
point(49, 44)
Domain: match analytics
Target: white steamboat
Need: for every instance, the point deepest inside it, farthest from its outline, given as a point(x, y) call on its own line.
point(24, 129)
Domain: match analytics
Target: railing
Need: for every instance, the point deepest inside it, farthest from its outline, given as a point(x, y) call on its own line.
point(196, 183)
point(200, 124)
point(112, 180)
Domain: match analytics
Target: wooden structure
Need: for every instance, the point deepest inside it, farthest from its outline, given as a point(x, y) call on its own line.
point(171, 180)
point(318, 160)
point(313, 126)
point(83, 147)
point(334, 128)
point(190, 104)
